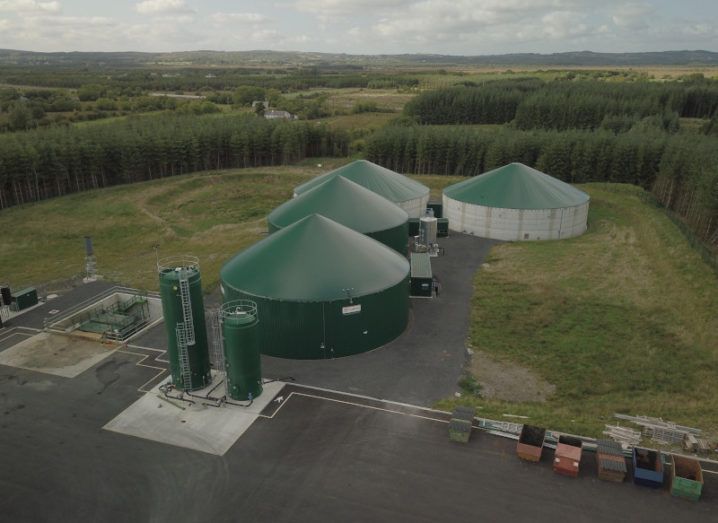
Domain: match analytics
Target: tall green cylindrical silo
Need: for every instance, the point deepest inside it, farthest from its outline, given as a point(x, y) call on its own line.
point(183, 309)
point(241, 349)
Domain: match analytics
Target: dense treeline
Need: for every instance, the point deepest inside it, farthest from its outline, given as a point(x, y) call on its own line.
point(194, 79)
point(565, 104)
point(40, 164)
point(681, 170)
point(492, 102)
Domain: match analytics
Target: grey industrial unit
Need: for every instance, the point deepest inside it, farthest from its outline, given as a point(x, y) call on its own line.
point(183, 309)
point(322, 290)
point(421, 275)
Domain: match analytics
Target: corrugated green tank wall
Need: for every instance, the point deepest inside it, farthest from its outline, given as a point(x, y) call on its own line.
point(172, 309)
point(316, 330)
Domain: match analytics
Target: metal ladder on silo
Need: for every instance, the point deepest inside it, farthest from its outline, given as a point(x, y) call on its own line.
point(186, 307)
point(183, 356)
point(217, 343)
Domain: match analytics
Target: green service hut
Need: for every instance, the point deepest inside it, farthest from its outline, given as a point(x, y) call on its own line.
point(322, 290)
point(349, 204)
point(408, 194)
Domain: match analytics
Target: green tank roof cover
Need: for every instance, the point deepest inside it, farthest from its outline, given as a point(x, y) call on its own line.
point(315, 259)
point(345, 202)
point(516, 186)
point(389, 184)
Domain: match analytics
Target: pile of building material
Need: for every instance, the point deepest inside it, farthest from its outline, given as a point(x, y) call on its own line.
point(626, 436)
point(664, 432)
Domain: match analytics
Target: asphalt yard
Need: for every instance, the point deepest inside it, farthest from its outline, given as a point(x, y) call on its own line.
point(310, 454)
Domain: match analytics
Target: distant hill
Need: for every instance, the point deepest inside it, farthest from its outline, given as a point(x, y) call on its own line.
point(298, 58)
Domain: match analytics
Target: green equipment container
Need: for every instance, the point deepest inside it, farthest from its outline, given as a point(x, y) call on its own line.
point(437, 207)
point(686, 478)
point(460, 423)
point(422, 281)
point(182, 303)
point(413, 226)
point(241, 349)
point(442, 227)
point(24, 299)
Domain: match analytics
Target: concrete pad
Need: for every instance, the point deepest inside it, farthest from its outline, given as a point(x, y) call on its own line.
point(207, 429)
point(56, 354)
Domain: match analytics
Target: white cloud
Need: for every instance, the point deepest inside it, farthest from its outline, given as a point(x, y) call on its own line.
point(346, 7)
point(464, 19)
point(632, 16)
point(29, 6)
point(241, 18)
point(161, 7)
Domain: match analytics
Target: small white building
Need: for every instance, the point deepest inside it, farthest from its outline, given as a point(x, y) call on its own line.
point(273, 114)
point(516, 203)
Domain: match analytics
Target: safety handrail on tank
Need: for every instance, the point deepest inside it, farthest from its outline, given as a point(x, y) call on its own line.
point(233, 307)
point(185, 261)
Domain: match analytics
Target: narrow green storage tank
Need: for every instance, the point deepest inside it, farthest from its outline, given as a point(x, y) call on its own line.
point(180, 283)
point(241, 349)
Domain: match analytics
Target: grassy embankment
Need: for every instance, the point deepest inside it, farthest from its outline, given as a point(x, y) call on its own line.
point(211, 215)
point(621, 319)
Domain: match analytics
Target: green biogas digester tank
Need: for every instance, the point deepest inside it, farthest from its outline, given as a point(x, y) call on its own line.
point(183, 308)
point(241, 349)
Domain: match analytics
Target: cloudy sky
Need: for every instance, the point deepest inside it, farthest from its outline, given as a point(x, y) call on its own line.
point(360, 26)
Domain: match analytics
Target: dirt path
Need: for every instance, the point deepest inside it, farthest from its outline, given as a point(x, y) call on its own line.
point(509, 382)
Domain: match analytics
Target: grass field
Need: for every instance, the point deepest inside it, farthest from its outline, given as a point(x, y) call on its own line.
point(621, 319)
point(211, 215)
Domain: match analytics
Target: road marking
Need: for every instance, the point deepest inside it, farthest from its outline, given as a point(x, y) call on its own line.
point(140, 363)
point(134, 346)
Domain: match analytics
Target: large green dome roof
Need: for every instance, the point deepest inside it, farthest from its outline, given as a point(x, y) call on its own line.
point(516, 186)
point(312, 260)
point(387, 183)
point(343, 201)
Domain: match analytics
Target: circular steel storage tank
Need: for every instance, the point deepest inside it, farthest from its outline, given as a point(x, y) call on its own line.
point(183, 304)
point(411, 196)
point(241, 349)
point(322, 290)
point(349, 204)
point(516, 203)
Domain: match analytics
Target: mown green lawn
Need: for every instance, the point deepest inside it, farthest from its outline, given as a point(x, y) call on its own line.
point(622, 319)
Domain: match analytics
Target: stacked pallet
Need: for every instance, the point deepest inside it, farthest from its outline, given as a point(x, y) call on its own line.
point(610, 460)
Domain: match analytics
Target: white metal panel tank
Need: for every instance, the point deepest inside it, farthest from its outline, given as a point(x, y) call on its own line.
point(516, 203)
